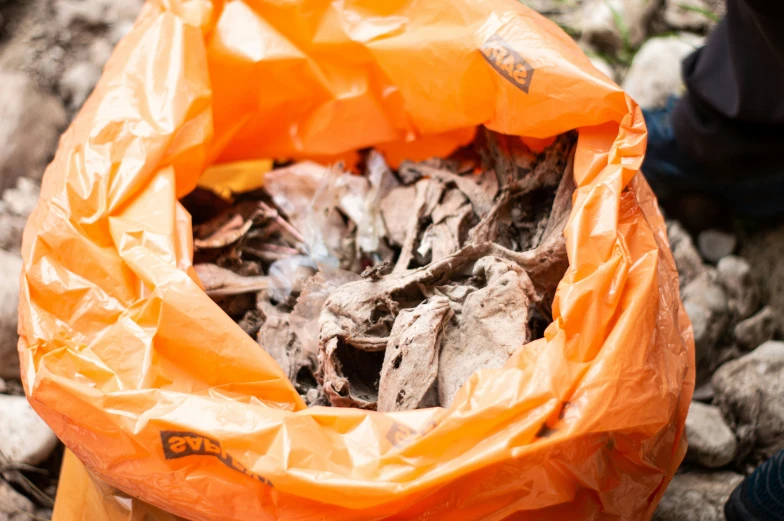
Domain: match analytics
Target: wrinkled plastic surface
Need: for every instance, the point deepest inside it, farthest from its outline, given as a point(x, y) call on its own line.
point(163, 396)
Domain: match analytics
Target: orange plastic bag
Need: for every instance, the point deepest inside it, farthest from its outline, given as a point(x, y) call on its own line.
point(163, 396)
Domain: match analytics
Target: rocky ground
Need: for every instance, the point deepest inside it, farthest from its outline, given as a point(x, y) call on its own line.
point(52, 53)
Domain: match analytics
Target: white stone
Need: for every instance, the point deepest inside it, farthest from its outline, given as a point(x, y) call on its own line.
point(712, 443)
point(716, 244)
point(756, 330)
point(78, 81)
point(750, 393)
point(15, 206)
point(706, 304)
point(10, 267)
point(703, 393)
point(655, 72)
point(771, 350)
point(764, 252)
point(735, 274)
point(24, 437)
point(13, 505)
point(615, 24)
point(604, 67)
point(689, 14)
point(687, 258)
point(11, 228)
point(21, 199)
point(697, 496)
point(96, 12)
point(30, 124)
point(119, 30)
point(99, 52)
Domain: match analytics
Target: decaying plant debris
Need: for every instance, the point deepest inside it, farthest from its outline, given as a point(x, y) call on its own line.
point(388, 290)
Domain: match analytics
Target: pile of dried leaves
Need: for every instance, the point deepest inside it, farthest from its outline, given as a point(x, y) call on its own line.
point(388, 290)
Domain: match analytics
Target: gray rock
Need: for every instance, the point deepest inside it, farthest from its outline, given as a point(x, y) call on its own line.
point(706, 291)
point(705, 337)
point(30, 124)
point(24, 437)
point(756, 330)
point(655, 72)
point(716, 244)
point(706, 304)
point(10, 267)
point(735, 275)
point(750, 393)
point(44, 513)
point(695, 15)
point(78, 81)
point(13, 505)
point(723, 354)
point(764, 252)
point(21, 199)
point(99, 52)
point(703, 393)
point(96, 12)
point(697, 496)
point(712, 443)
point(547, 7)
point(16, 205)
point(615, 24)
point(687, 258)
point(604, 67)
point(14, 388)
point(11, 229)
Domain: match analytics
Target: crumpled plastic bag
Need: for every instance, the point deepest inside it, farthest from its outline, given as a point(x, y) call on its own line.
point(164, 397)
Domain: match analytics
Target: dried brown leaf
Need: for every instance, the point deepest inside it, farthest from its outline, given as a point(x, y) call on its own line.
point(465, 184)
point(452, 201)
point(411, 360)
point(396, 212)
point(446, 237)
point(277, 340)
point(428, 195)
point(492, 324)
point(230, 232)
point(218, 281)
point(505, 155)
point(350, 376)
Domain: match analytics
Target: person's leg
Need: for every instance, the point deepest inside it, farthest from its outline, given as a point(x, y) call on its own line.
point(732, 116)
point(724, 140)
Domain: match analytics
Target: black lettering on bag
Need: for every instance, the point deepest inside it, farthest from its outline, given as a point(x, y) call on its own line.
point(508, 62)
point(179, 444)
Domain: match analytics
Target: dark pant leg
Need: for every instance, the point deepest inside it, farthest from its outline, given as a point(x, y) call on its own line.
point(732, 118)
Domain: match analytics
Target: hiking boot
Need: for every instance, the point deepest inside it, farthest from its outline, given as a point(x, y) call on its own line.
point(760, 496)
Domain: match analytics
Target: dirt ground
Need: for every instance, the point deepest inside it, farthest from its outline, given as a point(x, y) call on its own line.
point(52, 53)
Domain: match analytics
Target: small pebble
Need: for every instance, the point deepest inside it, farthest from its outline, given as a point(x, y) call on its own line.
point(697, 496)
point(715, 244)
point(13, 505)
point(750, 392)
point(687, 258)
point(735, 274)
point(756, 330)
point(703, 393)
point(712, 443)
point(24, 437)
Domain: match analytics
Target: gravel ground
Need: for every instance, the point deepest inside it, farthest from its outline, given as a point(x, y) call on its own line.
point(52, 53)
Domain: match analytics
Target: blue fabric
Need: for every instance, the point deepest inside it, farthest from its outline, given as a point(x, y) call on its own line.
point(760, 497)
